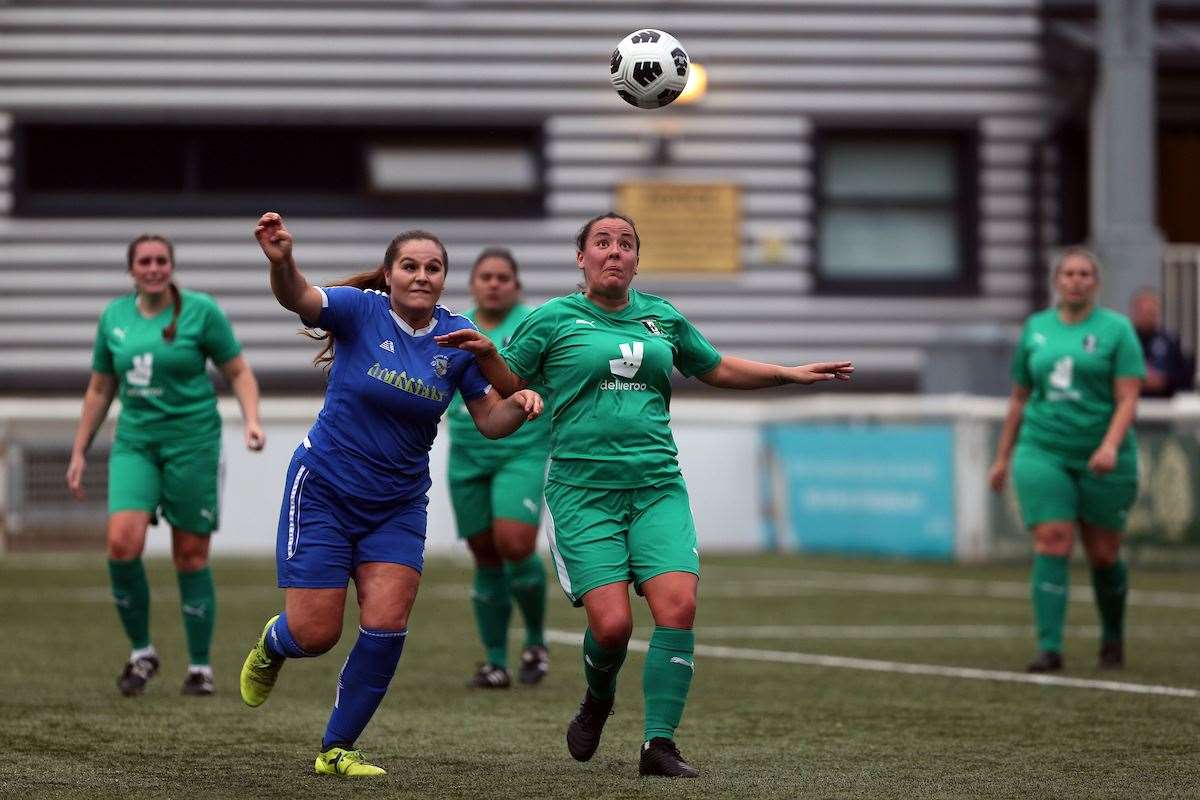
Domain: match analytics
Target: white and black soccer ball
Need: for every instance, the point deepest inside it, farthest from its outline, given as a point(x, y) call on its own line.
point(649, 68)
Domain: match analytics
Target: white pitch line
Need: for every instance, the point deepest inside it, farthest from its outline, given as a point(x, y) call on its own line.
point(873, 665)
point(927, 632)
point(783, 584)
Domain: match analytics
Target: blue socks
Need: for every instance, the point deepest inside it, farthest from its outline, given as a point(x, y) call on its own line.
point(280, 643)
point(362, 684)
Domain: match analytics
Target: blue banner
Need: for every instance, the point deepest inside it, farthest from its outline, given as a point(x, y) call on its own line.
point(860, 489)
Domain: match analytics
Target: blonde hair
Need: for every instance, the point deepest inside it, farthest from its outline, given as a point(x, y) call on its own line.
point(1078, 251)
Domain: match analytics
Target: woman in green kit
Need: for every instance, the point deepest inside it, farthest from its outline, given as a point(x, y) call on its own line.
point(1077, 371)
point(618, 502)
point(153, 345)
point(496, 491)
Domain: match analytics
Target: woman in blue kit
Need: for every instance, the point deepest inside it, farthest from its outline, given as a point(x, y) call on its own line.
point(354, 502)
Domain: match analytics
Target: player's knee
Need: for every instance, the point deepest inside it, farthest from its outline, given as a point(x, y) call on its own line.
point(1054, 539)
point(124, 542)
point(612, 632)
point(515, 548)
point(1104, 552)
point(676, 612)
point(190, 561)
point(315, 639)
point(483, 549)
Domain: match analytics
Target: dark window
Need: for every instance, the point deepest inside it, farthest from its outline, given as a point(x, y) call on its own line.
point(120, 170)
point(895, 213)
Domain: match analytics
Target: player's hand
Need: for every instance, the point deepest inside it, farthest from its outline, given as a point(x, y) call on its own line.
point(1104, 460)
point(75, 470)
point(472, 341)
point(254, 436)
point(528, 401)
point(998, 476)
point(821, 371)
point(273, 238)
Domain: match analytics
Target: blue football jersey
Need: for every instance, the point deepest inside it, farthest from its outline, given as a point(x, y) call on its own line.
point(388, 387)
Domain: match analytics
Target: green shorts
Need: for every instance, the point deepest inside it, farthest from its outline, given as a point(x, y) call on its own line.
point(181, 477)
point(603, 536)
point(1053, 487)
point(485, 486)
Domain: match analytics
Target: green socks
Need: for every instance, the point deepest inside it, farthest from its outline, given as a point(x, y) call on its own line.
point(1049, 585)
point(600, 667)
point(489, 597)
point(198, 601)
point(527, 585)
point(670, 664)
point(131, 593)
point(1111, 585)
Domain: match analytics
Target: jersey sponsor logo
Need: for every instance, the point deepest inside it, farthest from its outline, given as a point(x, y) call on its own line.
point(138, 378)
point(585, 322)
point(630, 361)
point(441, 365)
point(401, 381)
point(386, 344)
point(1061, 379)
point(651, 325)
point(143, 370)
point(1089, 343)
point(626, 366)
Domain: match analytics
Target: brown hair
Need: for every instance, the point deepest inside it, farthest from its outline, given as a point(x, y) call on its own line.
point(375, 279)
point(176, 298)
point(502, 253)
point(581, 237)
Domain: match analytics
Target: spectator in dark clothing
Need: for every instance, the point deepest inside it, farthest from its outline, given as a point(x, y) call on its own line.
point(1168, 370)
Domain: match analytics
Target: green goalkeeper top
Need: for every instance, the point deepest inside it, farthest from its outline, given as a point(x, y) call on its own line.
point(531, 435)
point(609, 374)
point(164, 387)
point(1069, 370)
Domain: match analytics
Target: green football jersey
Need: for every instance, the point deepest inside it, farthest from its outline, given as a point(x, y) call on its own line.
point(164, 389)
point(1070, 371)
point(462, 427)
point(609, 374)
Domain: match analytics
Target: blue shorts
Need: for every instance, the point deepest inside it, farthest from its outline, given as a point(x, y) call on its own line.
point(323, 536)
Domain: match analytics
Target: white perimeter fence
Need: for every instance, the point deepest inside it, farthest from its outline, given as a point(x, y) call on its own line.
point(900, 476)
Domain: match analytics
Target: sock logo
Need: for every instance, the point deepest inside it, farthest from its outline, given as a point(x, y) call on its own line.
point(195, 611)
point(594, 665)
point(684, 662)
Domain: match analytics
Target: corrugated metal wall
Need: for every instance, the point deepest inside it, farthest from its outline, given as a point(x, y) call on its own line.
point(779, 70)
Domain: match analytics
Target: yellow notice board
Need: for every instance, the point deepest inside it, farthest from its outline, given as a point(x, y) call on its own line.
point(685, 227)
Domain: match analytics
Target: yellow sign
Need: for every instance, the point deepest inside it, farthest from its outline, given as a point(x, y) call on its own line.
point(685, 227)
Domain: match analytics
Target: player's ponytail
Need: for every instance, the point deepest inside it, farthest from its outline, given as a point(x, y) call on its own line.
point(375, 279)
point(177, 306)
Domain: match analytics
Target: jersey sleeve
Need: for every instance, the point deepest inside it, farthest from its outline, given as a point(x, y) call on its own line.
point(102, 358)
point(219, 342)
point(695, 355)
point(529, 343)
point(1128, 360)
point(341, 308)
point(473, 385)
point(1019, 371)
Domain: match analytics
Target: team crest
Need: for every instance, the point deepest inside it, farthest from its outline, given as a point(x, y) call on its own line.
point(1089, 343)
point(651, 326)
point(441, 365)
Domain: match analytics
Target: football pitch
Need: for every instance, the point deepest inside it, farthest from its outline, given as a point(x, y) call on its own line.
point(815, 678)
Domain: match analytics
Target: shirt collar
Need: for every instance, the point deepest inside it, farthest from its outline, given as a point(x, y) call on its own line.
point(404, 326)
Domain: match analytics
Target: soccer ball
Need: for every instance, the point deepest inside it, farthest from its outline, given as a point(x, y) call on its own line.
point(649, 68)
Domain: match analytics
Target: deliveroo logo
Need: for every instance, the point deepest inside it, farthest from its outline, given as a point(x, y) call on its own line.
point(630, 361)
point(143, 370)
point(1063, 373)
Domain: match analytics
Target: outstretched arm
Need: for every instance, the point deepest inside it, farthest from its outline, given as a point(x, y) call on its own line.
point(493, 367)
point(496, 417)
point(291, 288)
point(741, 373)
point(245, 388)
